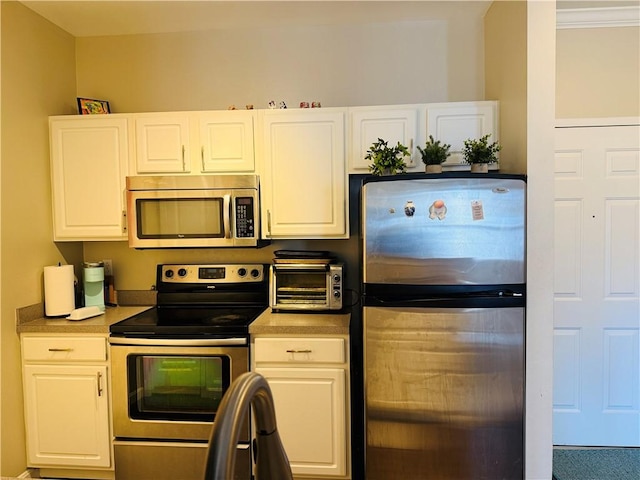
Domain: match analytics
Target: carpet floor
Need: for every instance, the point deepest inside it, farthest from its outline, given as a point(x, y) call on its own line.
point(596, 464)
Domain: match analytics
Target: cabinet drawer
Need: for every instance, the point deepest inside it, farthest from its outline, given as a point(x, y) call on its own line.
point(304, 350)
point(64, 348)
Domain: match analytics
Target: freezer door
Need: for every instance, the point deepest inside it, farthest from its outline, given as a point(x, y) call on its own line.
point(445, 231)
point(444, 393)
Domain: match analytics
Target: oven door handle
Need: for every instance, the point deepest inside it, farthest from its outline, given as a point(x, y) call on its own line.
point(175, 342)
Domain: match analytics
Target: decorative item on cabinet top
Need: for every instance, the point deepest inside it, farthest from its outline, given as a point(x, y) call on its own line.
point(90, 106)
point(434, 155)
point(479, 153)
point(386, 160)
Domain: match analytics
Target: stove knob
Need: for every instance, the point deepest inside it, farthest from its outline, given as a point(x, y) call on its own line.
point(242, 272)
point(255, 273)
point(168, 273)
point(182, 272)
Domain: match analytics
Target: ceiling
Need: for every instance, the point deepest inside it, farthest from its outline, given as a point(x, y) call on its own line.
point(129, 17)
point(106, 17)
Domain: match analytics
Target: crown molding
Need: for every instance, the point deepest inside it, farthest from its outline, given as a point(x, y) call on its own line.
point(598, 17)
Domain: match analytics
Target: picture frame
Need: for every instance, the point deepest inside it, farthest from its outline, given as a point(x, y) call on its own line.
point(92, 106)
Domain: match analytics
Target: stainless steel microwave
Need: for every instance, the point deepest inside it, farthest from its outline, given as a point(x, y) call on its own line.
point(193, 211)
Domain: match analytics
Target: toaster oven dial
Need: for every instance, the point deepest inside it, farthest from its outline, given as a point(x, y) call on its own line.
point(336, 278)
point(336, 294)
point(255, 273)
point(182, 272)
point(242, 272)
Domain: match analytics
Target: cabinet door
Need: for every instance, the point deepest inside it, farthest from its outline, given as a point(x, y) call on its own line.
point(390, 124)
point(226, 141)
point(304, 177)
point(453, 123)
point(162, 144)
point(89, 159)
point(310, 414)
point(67, 415)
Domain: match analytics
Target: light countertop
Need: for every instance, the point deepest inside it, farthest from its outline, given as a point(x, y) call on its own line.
point(289, 323)
point(32, 320)
point(97, 324)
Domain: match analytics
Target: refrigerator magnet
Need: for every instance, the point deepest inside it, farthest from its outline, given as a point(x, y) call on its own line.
point(438, 210)
point(409, 208)
point(477, 211)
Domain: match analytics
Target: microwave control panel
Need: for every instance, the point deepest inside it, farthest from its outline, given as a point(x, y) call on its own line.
point(244, 209)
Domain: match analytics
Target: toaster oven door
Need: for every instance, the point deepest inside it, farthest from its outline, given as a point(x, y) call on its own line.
point(300, 286)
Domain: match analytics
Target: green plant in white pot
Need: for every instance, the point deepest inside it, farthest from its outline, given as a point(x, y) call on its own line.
point(386, 160)
point(434, 154)
point(479, 153)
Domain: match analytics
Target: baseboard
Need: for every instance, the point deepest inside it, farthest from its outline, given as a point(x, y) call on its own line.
point(29, 473)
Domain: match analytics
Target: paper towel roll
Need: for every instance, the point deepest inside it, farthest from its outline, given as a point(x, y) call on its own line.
point(59, 296)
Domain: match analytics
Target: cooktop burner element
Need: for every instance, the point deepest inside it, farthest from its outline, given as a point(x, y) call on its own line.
point(196, 301)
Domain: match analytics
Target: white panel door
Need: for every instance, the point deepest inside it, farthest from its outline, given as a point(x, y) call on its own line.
point(392, 124)
point(162, 143)
point(304, 180)
point(226, 141)
point(67, 415)
point(597, 286)
point(310, 413)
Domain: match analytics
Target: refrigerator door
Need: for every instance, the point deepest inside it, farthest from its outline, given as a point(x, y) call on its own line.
point(444, 392)
point(455, 230)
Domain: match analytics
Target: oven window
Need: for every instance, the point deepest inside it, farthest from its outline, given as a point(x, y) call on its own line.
point(301, 286)
point(176, 387)
point(180, 218)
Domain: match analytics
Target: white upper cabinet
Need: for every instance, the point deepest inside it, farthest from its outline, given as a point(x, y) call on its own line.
point(396, 123)
point(194, 143)
point(455, 122)
point(303, 175)
point(226, 141)
point(89, 157)
point(162, 143)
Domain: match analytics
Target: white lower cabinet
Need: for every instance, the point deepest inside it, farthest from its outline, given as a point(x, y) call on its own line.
point(308, 378)
point(67, 402)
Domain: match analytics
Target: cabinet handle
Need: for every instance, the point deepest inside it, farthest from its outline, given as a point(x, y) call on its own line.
point(202, 157)
point(269, 223)
point(61, 349)
point(299, 351)
point(124, 221)
point(99, 384)
point(184, 165)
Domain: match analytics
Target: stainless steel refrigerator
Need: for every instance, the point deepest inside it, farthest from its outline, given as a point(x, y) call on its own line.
point(443, 326)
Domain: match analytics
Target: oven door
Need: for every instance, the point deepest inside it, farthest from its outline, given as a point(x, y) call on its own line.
point(171, 392)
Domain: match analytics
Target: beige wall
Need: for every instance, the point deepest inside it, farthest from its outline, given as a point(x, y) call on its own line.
point(38, 79)
point(338, 65)
point(505, 66)
point(598, 72)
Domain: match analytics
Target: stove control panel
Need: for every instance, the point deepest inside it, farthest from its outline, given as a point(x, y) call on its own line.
point(218, 273)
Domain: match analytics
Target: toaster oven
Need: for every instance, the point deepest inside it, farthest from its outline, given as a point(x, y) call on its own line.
point(306, 286)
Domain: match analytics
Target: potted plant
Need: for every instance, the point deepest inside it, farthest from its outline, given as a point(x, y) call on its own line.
point(480, 153)
point(386, 160)
point(434, 155)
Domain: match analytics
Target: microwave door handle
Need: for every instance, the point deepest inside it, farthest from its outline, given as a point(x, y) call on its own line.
point(226, 215)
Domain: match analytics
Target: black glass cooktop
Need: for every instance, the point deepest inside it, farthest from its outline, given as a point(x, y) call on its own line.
point(189, 321)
